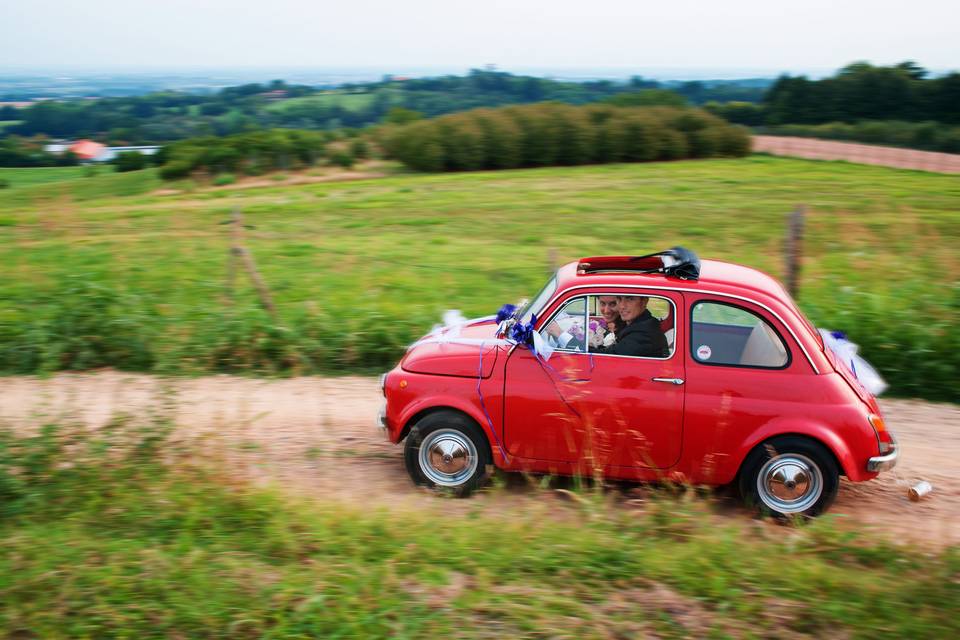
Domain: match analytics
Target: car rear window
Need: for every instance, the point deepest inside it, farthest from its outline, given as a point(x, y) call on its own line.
point(725, 334)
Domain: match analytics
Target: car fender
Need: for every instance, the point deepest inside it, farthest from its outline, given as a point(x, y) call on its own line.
point(434, 403)
point(811, 429)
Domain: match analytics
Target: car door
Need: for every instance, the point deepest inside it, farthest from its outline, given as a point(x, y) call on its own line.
point(633, 416)
point(597, 410)
point(541, 398)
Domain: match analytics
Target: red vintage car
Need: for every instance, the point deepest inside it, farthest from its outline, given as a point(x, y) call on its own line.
point(724, 381)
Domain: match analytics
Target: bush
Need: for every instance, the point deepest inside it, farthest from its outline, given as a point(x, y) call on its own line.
point(4, 183)
point(252, 153)
point(342, 159)
point(557, 134)
point(223, 179)
point(360, 149)
point(130, 161)
point(175, 170)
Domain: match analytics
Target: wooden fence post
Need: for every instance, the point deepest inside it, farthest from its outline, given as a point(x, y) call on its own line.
point(793, 252)
point(552, 260)
point(240, 253)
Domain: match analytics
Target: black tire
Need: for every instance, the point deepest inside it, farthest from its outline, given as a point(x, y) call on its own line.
point(801, 477)
point(456, 457)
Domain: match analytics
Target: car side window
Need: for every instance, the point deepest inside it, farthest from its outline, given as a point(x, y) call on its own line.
point(725, 334)
point(565, 331)
point(631, 325)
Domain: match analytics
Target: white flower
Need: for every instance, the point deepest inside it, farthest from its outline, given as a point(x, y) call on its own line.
point(609, 339)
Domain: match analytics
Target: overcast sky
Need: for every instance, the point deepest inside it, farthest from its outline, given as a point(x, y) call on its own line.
point(772, 35)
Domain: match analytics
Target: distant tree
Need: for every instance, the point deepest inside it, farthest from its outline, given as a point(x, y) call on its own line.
point(401, 115)
point(648, 98)
point(500, 139)
point(745, 113)
point(637, 82)
point(343, 159)
point(9, 113)
point(359, 149)
point(559, 134)
point(129, 161)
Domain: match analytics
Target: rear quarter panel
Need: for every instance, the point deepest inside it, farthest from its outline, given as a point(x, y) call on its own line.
point(728, 415)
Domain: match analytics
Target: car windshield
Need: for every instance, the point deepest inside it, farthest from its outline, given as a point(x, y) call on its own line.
point(539, 302)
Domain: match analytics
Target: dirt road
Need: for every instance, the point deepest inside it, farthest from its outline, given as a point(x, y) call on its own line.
point(315, 436)
point(861, 153)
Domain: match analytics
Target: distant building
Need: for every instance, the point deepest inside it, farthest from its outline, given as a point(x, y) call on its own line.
point(86, 149)
point(276, 94)
point(109, 153)
point(90, 151)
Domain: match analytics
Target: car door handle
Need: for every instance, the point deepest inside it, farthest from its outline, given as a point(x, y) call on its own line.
point(669, 380)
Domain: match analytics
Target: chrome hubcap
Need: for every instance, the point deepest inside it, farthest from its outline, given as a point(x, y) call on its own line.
point(789, 483)
point(448, 457)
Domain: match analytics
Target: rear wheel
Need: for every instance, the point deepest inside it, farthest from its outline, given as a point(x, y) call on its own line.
point(448, 451)
point(790, 476)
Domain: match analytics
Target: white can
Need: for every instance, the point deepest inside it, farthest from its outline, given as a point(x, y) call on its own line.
point(919, 490)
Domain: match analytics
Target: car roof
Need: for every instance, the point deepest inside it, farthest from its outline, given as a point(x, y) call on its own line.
point(716, 275)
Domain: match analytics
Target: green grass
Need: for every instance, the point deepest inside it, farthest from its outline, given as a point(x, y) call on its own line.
point(22, 177)
point(359, 269)
point(117, 544)
point(38, 187)
point(348, 101)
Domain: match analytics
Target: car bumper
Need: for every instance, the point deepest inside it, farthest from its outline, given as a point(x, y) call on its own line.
point(382, 418)
point(883, 463)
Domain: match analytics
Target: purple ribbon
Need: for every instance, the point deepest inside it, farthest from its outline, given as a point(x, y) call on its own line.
point(506, 312)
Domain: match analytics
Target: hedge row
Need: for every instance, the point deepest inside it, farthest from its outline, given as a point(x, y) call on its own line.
point(548, 134)
point(250, 153)
point(930, 136)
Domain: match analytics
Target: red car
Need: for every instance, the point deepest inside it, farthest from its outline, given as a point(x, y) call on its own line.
point(721, 379)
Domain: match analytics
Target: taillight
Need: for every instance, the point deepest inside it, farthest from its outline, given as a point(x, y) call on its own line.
point(884, 437)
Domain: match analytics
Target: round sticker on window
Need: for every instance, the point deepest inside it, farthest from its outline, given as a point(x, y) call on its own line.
point(704, 352)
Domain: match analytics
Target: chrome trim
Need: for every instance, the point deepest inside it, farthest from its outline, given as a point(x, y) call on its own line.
point(670, 380)
point(789, 483)
point(382, 417)
point(883, 463)
point(448, 457)
point(704, 291)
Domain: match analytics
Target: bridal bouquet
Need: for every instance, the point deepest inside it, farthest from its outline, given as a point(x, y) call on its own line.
point(598, 333)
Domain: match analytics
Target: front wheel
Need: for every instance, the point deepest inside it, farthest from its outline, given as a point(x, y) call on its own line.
point(448, 451)
point(790, 476)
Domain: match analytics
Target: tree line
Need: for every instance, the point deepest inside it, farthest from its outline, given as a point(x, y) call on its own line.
point(856, 95)
point(160, 117)
point(257, 152)
point(548, 134)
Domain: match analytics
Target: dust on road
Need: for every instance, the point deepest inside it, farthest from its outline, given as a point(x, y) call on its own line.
point(316, 436)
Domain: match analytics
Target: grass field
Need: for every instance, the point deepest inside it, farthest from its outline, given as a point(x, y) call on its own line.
point(22, 177)
point(358, 269)
point(348, 101)
point(118, 544)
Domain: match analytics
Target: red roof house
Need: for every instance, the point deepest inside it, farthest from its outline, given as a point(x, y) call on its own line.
point(86, 149)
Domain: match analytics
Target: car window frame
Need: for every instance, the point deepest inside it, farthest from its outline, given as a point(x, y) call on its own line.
point(759, 315)
point(564, 302)
point(557, 311)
